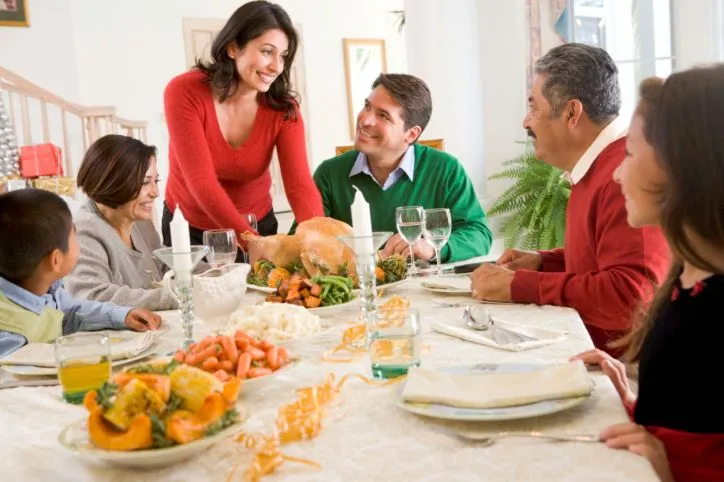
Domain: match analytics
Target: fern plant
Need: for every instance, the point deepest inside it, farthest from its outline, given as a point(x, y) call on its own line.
point(534, 207)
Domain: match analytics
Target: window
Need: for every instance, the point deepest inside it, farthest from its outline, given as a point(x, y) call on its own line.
point(636, 33)
point(719, 29)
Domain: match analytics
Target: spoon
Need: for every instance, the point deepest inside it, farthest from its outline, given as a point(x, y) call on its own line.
point(483, 321)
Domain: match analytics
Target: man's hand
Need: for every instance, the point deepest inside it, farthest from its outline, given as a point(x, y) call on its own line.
point(397, 245)
point(491, 282)
point(637, 439)
point(516, 259)
point(141, 319)
point(614, 369)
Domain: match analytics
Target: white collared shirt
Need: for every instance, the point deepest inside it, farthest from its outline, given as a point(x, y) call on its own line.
point(615, 130)
point(407, 166)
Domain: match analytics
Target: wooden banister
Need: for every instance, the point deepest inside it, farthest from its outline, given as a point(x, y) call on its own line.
point(95, 121)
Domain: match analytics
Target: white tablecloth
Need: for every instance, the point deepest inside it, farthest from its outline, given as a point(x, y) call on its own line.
point(366, 436)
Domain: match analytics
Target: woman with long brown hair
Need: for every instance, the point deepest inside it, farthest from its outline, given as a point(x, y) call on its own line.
point(673, 176)
point(226, 116)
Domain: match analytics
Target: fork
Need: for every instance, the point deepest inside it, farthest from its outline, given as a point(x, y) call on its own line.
point(448, 304)
point(486, 440)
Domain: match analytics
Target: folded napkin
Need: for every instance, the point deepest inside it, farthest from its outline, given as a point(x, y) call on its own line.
point(543, 336)
point(496, 389)
point(452, 283)
point(123, 345)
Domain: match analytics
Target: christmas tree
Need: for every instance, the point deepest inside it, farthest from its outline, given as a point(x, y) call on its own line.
point(9, 167)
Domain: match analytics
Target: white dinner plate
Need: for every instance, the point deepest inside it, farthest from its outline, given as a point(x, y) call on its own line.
point(385, 287)
point(261, 289)
point(447, 412)
point(33, 371)
point(334, 309)
point(75, 438)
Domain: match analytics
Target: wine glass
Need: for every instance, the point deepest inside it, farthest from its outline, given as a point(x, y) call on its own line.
point(222, 246)
point(409, 225)
point(436, 229)
point(251, 219)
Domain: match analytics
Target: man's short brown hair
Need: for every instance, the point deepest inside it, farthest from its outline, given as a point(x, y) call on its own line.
point(113, 169)
point(412, 94)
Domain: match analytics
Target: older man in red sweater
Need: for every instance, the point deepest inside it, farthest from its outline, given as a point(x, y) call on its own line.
point(606, 268)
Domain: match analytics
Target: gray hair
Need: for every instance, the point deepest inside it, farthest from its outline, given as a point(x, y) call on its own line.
point(579, 71)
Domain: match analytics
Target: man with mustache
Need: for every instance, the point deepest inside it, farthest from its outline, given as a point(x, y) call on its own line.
point(392, 170)
point(606, 268)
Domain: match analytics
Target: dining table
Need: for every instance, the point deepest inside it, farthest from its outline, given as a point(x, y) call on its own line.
point(365, 435)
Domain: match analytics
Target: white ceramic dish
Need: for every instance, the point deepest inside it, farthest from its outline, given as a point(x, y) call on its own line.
point(448, 412)
point(33, 371)
point(323, 311)
point(385, 287)
point(252, 383)
point(261, 289)
point(75, 438)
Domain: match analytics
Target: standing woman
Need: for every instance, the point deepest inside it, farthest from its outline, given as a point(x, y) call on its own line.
point(225, 117)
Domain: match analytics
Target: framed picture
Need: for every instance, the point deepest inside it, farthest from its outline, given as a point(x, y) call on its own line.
point(364, 61)
point(14, 13)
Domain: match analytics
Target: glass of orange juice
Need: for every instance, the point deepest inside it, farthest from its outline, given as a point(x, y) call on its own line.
point(84, 363)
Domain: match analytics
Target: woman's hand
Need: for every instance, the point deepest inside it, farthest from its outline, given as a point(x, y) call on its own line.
point(637, 439)
point(141, 319)
point(614, 369)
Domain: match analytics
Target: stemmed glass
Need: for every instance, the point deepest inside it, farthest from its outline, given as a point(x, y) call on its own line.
point(409, 225)
point(436, 229)
point(253, 224)
point(222, 246)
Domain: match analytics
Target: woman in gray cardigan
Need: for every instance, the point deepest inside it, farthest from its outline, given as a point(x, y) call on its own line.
point(114, 227)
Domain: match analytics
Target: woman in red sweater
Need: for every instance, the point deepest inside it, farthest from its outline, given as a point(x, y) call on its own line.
point(224, 119)
point(673, 176)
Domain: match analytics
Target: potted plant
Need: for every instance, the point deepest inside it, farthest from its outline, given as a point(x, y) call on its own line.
point(534, 207)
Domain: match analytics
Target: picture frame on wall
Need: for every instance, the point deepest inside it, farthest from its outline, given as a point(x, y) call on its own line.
point(364, 61)
point(14, 13)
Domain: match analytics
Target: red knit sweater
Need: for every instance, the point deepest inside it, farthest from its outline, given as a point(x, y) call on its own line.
point(607, 267)
point(213, 183)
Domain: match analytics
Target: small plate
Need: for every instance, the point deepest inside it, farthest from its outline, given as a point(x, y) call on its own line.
point(447, 412)
point(450, 285)
point(333, 309)
point(75, 438)
point(32, 371)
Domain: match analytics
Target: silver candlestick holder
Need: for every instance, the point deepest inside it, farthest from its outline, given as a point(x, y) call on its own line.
point(183, 265)
point(365, 249)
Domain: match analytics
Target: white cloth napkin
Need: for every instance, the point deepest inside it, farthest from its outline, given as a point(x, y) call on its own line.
point(543, 336)
point(123, 345)
point(457, 284)
point(496, 389)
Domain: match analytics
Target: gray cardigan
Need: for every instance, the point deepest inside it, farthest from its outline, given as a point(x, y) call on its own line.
point(108, 270)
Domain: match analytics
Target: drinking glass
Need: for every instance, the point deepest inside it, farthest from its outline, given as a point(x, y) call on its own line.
point(222, 247)
point(84, 363)
point(436, 229)
point(409, 225)
point(394, 342)
point(251, 219)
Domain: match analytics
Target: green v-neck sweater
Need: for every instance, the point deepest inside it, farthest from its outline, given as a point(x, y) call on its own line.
point(439, 181)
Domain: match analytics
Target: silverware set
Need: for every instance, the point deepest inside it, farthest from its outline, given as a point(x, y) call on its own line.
point(487, 439)
point(479, 319)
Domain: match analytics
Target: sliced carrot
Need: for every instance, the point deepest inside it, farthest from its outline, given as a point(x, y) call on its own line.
point(211, 364)
point(265, 345)
point(283, 356)
point(180, 355)
point(256, 353)
point(230, 349)
point(227, 365)
point(221, 375)
point(272, 356)
point(256, 372)
point(242, 368)
point(193, 359)
point(242, 344)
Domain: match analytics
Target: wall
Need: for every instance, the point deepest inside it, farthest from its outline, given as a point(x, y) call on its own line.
point(45, 53)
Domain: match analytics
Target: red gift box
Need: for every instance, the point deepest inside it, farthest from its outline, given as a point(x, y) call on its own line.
point(41, 160)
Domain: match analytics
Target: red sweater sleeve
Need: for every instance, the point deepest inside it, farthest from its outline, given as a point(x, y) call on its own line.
point(189, 148)
point(553, 260)
point(630, 261)
point(299, 186)
point(693, 457)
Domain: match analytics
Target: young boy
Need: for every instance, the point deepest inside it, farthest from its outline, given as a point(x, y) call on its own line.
point(37, 249)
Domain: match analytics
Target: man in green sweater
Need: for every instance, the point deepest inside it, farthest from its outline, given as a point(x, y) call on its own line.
point(392, 170)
